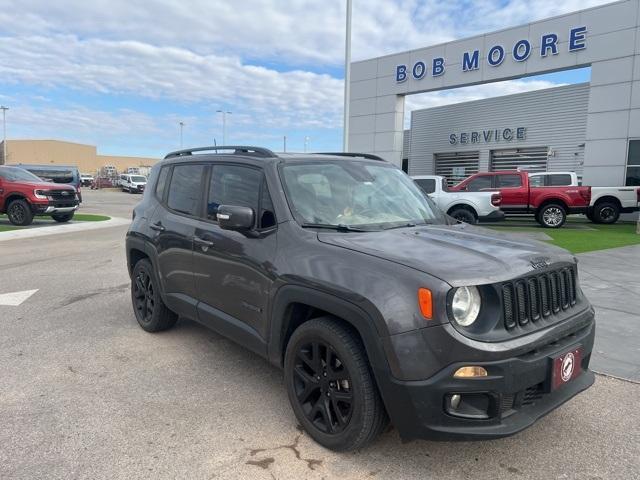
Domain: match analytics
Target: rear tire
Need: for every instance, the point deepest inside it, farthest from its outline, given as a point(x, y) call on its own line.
point(552, 215)
point(464, 215)
point(19, 213)
point(606, 213)
point(62, 217)
point(151, 312)
point(331, 386)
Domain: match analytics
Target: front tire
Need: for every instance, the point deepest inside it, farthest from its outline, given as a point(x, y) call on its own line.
point(464, 215)
point(62, 217)
point(606, 213)
point(19, 213)
point(552, 215)
point(331, 387)
point(151, 312)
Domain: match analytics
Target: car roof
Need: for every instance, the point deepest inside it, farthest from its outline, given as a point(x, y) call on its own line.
point(261, 156)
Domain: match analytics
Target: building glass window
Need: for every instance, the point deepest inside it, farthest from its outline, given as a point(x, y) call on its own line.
point(633, 164)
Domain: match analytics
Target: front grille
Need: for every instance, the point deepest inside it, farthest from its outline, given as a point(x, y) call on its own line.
point(61, 194)
point(529, 300)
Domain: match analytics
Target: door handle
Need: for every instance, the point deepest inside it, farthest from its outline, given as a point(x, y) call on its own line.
point(158, 227)
point(202, 242)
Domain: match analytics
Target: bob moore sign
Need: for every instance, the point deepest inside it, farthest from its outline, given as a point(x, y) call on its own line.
point(488, 136)
point(496, 55)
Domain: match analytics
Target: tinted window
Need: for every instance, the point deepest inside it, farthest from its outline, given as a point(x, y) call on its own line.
point(559, 180)
point(536, 181)
point(233, 185)
point(428, 185)
point(267, 217)
point(14, 174)
point(184, 190)
point(633, 164)
point(508, 181)
point(479, 183)
point(162, 180)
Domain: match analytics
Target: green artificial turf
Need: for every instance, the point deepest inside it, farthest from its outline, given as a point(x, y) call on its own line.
point(6, 228)
point(89, 217)
point(594, 237)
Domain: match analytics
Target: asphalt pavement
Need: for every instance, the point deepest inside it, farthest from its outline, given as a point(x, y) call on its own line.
point(85, 393)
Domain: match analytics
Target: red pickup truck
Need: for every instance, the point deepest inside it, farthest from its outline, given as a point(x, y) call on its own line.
point(23, 195)
point(550, 205)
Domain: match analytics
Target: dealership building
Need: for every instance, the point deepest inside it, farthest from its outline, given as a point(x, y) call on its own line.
point(591, 128)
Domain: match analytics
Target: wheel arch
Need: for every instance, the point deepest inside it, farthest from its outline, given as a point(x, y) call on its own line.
point(555, 201)
point(608, 198)
point(294, 305)
point(461, 204)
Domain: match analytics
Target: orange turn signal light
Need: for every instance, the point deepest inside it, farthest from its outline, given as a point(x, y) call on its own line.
point(426, 303)
point(470, 372)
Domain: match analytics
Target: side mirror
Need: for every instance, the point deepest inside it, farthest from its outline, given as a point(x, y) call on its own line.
point(236, 218)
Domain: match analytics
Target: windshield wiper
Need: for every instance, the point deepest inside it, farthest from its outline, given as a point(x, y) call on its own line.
point(408, 225)
point(341, 227)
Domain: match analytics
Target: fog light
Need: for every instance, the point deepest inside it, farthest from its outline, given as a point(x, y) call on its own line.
point(470, 372)
point(468, 405)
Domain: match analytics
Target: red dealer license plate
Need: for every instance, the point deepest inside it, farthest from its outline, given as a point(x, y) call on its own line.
point(566, 367)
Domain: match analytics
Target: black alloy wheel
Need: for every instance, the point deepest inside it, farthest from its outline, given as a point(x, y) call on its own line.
point(143, 294)
point(323, 386)
point(151, 312)
point(330, 385)
point(19, 213)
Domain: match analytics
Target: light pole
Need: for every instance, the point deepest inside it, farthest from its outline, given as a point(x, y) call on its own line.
point(284, 143)
point(224, 125)
point(347, 79)
point(4, 134)
point(306, 144)
point(181, 128)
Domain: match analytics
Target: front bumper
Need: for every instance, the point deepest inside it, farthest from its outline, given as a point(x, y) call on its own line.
point(53, 207)
point(495, 216)
point(518, 389)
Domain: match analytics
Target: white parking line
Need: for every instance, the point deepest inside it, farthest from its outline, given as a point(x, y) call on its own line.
point(62, 228)
point(15, 298)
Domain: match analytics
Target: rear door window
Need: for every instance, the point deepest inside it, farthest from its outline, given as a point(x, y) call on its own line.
point(509, 181)
point(479, 183)
point(559, 180)
point(185, 189)
point(537, 181)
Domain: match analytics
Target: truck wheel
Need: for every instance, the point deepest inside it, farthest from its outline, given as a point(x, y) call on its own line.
point(331, 387)
point(552, 216)
point(19, 213)
point(151, 312)
point(606, 212)
point(464, 215)
point(62, 217)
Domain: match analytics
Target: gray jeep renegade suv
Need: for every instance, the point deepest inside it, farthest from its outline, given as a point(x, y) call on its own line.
point(377, 306)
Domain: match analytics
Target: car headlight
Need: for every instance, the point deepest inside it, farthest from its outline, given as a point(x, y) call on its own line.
point(40, 194)
point(465, 306)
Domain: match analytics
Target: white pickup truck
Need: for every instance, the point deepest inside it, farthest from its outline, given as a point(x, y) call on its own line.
point(468, 207)
point(607, 203)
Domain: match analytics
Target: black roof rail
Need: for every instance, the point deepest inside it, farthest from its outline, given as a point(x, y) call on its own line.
point(368, 156)
point(237, 150)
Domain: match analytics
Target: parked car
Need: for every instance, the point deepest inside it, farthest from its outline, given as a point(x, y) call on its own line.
point(468, 207)
point(607, 203)
point(132, 183)
point(24, 195)
point(86, 179)
point(338, 269)
point(549, 205)
point(64, 174)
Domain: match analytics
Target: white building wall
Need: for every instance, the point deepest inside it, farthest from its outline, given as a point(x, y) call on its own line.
point(612, 49)
point(555, 118)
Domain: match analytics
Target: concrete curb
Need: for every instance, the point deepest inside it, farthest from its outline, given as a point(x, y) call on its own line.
point(62, 228)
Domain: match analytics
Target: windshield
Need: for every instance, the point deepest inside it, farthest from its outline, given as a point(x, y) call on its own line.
point(355, 194)
point(14, 174)
point(138, 179)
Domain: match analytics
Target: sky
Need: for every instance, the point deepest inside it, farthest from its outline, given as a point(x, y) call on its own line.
point(122, 75)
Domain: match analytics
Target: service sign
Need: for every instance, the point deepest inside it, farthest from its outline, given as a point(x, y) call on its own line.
point(496, 55)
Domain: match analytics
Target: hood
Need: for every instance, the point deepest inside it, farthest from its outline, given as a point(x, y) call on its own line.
point(49, 186)
point(458, 254)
